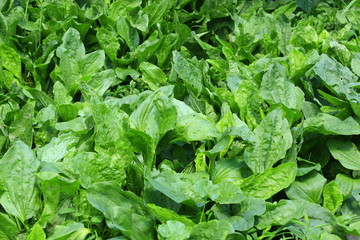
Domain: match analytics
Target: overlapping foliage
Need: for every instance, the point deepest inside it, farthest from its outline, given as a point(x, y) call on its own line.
point(179, 119)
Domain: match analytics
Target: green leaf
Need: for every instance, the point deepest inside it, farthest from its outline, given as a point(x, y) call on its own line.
point(10, 60)
point(127, 32)
point(55, 188)
point(308, 187)
point(230, 170)
point(4, 29)
point(165, 214)
point(8, 228)
point(335, 76)
point(345, 152)
point(121, 8)
point(241, 215)
point(157, 9)
point(21, 127)
point(95, 167)
point(37, 233)
point(61, 95)
point(124, 210)
point(332, 196)
point(73, 231)
point(174, 230)
point(17, 174)
point(307, 5)
point(213, 229)
point(72, 46)
point(95, 9)
point(278, 214)
point(152, 75)
point(229, 193)
point(276, 88)
point(98, 84)
point(195, 127)
point(329, 125)
point(354, 63)
point(108, 131)
point(270, 182)
point(274, 139)
point(57, 148)
point(190, 189)
point(91, 63)
point(108, 42)
point(77, 125)
point(188, 71)
point(156, 115)
point(347, 184)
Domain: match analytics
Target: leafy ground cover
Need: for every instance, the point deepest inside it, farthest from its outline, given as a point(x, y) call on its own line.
point(179, 119)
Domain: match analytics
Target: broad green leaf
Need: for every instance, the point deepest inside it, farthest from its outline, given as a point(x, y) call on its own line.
point(61, 95)
point(156, 115)
point(347, 184)
point(17, 174)
point(345, 152)
point(281, 213)
point(124, 210)
point(188, 71)
point(91, 63)
point(165, 214)
point(276, 88)
point(10, 60)
point(77, 125)
point(329, 125)
point(270, 182)
point(152, 75)
point(55, 188)
point(229, 193)
point(157, 9)
point(21, 127)
point(140, 21)
point(108, 42)
point(213, 229)
point(67, 112)
point(350, 211)
point(73, 231)
point(37, 233)
point(174, 230)
point(8, 228)
point(40, 96)
point(71, 47)
point(190, 189)
point(95, 9)
point(241, 215)
point(335, 76)
point(355, 62)
point(230, 170)
point(309, 187)
point(121, 8)
point(240, 129)
point(4, 28)
point(274, 139)
point(249, 100)
point(332, 196)
point(69, 72)
point(95, 167)
point(108, 131)
point(305, 36)
point(307, 5)
point(128, 33)
point(195, 127)
point(98, 84)
point(57, 148)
